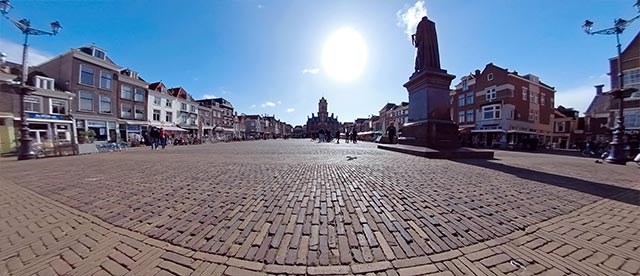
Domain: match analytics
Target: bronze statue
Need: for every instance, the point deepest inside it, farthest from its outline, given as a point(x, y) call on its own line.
point(426, 41)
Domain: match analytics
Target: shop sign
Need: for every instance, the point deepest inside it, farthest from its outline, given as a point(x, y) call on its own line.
point(43, 116)
point(96, 124)
point(133, 128)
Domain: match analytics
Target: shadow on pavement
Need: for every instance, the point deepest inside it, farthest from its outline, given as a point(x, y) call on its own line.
point(622, 194)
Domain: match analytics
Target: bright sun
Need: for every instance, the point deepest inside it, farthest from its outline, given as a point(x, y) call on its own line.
point(344, 55)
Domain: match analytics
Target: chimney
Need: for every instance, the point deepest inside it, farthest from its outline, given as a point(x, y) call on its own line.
point(477, 72)
point(599, 89)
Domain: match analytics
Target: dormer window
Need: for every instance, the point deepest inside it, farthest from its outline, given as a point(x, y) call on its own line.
point(44, 83)
point(99, 54)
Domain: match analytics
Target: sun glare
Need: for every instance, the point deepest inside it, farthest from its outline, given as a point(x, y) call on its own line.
point(344, 55)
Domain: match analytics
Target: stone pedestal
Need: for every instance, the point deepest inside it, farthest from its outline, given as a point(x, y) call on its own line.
point(429, 123)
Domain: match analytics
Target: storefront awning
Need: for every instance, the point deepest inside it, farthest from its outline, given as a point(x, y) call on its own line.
point(488, 130)
point(172, 128)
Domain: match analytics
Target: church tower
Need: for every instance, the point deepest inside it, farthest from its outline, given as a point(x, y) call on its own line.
point(322, 110)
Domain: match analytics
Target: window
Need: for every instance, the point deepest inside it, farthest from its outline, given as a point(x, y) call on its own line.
point(127, 92)
point(99, 54)
point(156, 115)
point(157, 101)
point(169, 117)
point(470, 98)
point(183, 106)
point(126, 111)
point(44, 83)
point(168, 103)
point(560, 126)
point(525, 91)
point(461, 100)
point(86, 101)
point(105, 80)
point(139, 95)
point(490, 77)
point(491, 112)
point(542, 99)
point(139, 112)
point(533, 97)
point(470, 115)
point(461, 117)
point(632, 119)
point(86, 75)
point(632, 79)
point(193, 108)
point(32, 104)
point(465, 85)
point(58, 107)
point(534, 115)
point(491, 94)
point(105, 104)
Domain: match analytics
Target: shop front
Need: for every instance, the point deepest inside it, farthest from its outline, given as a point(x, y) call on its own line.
point(53, 133)
point(96, 130)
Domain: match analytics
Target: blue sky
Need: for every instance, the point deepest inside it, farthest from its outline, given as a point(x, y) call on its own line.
point(254, 53)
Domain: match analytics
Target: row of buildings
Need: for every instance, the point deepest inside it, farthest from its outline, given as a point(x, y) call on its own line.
point(83, 96)
point(496, 107)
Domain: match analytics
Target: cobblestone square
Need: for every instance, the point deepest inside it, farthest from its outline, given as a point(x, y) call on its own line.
point(299, 207)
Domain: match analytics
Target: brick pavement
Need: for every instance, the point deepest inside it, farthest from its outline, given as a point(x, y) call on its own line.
point(295, 206)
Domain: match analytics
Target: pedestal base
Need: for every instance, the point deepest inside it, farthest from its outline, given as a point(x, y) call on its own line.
point(433, 134)
point(457, 153)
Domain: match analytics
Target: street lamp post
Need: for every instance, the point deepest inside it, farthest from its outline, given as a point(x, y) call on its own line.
point(616, 149)
point(26, 150)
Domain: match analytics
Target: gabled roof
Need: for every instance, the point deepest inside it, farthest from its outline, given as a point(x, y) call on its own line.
point(157, 86)
point(387, 106)
point(599, 104)
point(178, 92)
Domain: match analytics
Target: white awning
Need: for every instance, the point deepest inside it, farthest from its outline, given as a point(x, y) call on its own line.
point(488, 130)
point(172, 128)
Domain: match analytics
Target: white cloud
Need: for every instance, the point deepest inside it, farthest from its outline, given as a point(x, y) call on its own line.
point(14, 53)
point(409, 17)
point(253, 106)
point(289, 110)
point(279, 102)
point(312, 71)
point(208, 96)
point(269, 104)
point(580, 97)
point(260, 6)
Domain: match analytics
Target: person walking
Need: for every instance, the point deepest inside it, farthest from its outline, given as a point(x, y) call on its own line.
point(154, 135)
point(163, 138)
point(337, 136)
point(391, 132)
point(321, 135)
point(354, 135)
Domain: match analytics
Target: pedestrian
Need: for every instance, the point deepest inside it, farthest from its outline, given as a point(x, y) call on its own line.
point(337, 136)
point(321, 136)
point(391, 132)
point(154, 135)
point(354, 135)
point(163, 138)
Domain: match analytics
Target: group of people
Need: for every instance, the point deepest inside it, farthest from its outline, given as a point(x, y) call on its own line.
point(158, 137)
point(326, 136)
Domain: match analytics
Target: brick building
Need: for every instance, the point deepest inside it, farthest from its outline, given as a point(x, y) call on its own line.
point(498, 108)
